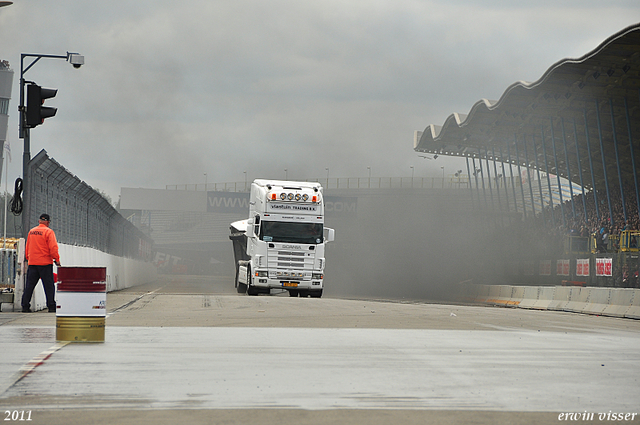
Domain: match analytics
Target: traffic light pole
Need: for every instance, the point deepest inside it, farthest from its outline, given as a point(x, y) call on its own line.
point(26, 179)
point(24, 132)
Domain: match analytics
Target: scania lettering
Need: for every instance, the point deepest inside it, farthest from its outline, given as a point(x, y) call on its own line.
point(274, 249)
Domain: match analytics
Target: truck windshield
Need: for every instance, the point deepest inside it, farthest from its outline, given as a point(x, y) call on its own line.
point(279, 231)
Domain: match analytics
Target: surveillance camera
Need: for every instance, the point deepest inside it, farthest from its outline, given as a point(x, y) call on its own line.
point(76, 60)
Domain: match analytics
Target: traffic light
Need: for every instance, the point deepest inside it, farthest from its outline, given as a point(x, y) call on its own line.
point(36, 113)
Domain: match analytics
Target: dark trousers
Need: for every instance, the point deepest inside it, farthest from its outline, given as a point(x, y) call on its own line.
point(35, 273)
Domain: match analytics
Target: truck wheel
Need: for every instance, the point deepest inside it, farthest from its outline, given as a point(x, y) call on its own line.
point(316, 294)
point(250, 289)
point(293, 293)
point(240, 287)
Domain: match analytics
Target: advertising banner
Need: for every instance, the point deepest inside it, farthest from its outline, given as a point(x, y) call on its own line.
point(238, 203)
point(228, 202)
point(562, 268)
point(604, 266)
point(582, 267)
point(545, 268)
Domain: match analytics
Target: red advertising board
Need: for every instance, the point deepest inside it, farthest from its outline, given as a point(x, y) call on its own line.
point(545, 268)
point(582, 267)
point(562, 268)
point(604, 267)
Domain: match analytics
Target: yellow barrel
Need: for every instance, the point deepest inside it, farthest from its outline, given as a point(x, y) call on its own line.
point(80, 329)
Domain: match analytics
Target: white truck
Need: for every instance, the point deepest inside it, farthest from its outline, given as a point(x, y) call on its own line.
point(282, 243)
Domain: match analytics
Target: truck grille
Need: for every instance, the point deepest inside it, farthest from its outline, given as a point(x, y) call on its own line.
point(298, 260)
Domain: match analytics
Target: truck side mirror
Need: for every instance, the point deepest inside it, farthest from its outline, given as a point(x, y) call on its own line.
point(256, 227)
point(249, 230)
point(329, 234)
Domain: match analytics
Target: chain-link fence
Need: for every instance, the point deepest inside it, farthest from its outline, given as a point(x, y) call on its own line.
point(79, 214)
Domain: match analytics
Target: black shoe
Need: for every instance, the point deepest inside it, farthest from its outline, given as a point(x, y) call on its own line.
point(52, 310)
point(26, 310)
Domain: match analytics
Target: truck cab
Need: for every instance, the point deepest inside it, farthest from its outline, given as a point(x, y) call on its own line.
point(282, 243)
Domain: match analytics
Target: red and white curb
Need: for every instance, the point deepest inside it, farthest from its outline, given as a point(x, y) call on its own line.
point(37, 361)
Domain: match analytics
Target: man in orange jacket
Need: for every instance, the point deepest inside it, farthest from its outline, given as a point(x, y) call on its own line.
point(41, 252)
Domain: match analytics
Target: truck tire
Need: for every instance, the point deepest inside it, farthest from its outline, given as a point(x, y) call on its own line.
point(240, 287)
point(316, 294)
point(293, 293)
point(250, 289)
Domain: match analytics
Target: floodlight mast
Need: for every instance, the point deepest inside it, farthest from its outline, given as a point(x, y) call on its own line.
point(77, 61)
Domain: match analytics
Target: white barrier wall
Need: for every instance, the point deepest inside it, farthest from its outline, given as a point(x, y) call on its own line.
point(616, 302)
point(121, 272)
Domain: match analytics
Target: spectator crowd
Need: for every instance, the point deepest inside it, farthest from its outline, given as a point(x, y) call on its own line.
point(544, 235)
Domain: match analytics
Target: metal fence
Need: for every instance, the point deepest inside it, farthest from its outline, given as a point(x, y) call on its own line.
point(448, 181)
point(79, 214)
point(8, 260)
point(451, 181)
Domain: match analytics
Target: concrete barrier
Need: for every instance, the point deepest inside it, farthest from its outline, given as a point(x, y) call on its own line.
point(545, 298)
point(634, 311)
point(619, 302)
point(530, 297)
point(517, 295)
point(578, 299)
point(121, 272)
point(561, 297)
point(598, 300)
point(494, 294)
point(500, 294)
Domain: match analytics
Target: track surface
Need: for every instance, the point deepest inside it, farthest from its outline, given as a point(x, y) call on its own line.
point(190, 350)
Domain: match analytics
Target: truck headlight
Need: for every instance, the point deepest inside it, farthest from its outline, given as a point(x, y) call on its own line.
point(262, 274)
point(316, 276)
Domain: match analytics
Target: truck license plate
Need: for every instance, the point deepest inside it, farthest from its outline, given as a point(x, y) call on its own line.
point(290, 284)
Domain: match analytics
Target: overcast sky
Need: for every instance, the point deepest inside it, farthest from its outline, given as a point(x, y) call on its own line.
point(173, 90)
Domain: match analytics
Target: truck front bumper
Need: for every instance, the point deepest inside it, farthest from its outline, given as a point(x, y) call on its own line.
point(264, 282)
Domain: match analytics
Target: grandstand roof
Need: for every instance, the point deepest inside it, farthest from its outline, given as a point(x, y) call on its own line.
point(578, 104)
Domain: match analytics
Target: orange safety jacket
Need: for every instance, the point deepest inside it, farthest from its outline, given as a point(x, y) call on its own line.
point(42, 246)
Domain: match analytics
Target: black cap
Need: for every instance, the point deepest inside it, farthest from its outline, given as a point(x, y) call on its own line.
point(45, 217)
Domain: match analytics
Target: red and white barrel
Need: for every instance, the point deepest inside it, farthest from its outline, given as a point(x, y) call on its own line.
point(81, 300)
